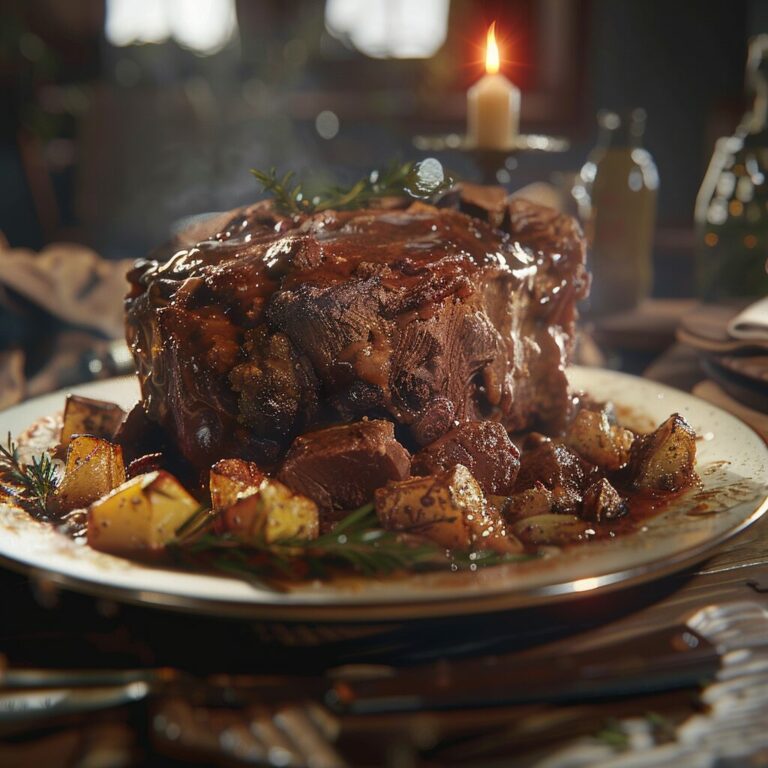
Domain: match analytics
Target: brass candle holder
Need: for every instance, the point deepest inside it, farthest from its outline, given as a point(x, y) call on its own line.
point(490, 162)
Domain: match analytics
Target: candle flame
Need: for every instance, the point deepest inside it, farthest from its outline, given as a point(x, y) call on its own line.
point(491, 51)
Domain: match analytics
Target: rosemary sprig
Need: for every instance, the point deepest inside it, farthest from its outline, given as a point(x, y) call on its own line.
point(419, 180)
point(35, 482)
point(357, 543)
point(198, 523)
point(287, 196)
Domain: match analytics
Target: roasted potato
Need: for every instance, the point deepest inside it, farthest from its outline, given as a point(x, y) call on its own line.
point(532, 501)
point(93, 468)
point(550, 529)
point(448, 508)
point(232, 480)
point(141, 515)
point(665, 460)
point(85, 416)
point(272, 513)
point(602, 502)
point(595, 439)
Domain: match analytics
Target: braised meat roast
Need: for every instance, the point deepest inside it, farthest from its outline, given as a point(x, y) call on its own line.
point(378, 388)
point(263, 327)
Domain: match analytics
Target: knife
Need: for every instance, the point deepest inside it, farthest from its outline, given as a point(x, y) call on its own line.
point(671, 658)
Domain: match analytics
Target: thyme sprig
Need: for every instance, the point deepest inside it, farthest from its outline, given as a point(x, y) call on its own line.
point(35, 482)
point(357, 542)
point(420, 180)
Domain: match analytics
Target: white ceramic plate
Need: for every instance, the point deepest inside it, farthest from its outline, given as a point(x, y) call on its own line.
point(732, 462)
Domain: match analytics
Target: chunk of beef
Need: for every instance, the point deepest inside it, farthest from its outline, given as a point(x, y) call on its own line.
point(483, 447)
point(138, 435)
point(477, 200)
point(147, 447)
point(340, 467)
point(560, 470)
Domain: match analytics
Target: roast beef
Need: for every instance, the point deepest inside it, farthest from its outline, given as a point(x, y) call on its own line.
point(424, 315)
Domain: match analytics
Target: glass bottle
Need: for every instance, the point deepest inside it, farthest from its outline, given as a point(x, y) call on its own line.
point(732, 205)
point(616, 194)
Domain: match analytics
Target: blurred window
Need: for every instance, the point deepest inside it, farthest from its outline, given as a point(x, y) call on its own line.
point(389, 29)
point(203, 26)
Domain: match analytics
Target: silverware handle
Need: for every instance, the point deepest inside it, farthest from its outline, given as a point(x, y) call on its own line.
point(31, 677)
point(660, 660)
point(18, 707)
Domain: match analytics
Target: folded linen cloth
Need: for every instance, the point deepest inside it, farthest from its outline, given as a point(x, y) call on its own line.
point(75, 286)
point(751, 323)
point(70, 282)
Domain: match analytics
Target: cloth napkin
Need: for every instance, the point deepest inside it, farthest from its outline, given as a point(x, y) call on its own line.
point(73, 284)
point(751, 323)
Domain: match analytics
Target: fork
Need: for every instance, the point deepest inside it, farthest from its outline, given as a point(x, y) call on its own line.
point(298, 735)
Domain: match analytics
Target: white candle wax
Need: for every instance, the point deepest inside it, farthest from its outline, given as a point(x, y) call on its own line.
point(493, 112)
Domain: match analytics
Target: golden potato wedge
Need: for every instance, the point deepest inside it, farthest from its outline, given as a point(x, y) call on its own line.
point(85, 416)
point(141, 515)
point(595, 439)
point(665, 460)
point(93, 468)
point(232, 480)
point(550, 529)
point(273, 513)
point(538, 500)
point(449, 508)
point(602, 502)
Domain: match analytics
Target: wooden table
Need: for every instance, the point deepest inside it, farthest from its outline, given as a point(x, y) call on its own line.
point(42, 627)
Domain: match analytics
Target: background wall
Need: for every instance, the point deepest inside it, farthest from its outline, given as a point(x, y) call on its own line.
point(110, 144)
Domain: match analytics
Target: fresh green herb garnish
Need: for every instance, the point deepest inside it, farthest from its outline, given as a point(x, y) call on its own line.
point(199, 521)
point(613, 735)
point(35, 482)
point(662, 726)
point(357, 542)
point(419, 180)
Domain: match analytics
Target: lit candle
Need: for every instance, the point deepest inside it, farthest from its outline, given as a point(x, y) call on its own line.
point(493, 104)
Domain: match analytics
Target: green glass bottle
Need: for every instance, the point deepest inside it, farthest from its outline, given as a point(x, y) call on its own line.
point(732, 205)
